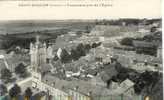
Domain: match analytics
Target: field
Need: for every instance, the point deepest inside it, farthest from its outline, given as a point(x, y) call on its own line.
point(26, 31)
point(13, 27)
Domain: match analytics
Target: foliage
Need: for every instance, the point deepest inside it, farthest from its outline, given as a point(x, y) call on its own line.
point(55, 58)
point(74, 54)
point(3, 89)
point(81, 50)
point(65, 57)
point(21, 70)
point(94, 45)
point(78, 52)
point(147, 51)
point(87, 47)
point(127, 41)
point(28, 92)
point(148, 38)
point(88, 29)
point(15, 91)
point(119, 22)
point(146, 80)
point(128, 21)
point(6, 74)
point(153, 29)
point(10, 44)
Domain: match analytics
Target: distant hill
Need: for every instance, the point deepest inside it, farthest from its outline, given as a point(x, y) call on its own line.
point(23, 26)
point(22, 32)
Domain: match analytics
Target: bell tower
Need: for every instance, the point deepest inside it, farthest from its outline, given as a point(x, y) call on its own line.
point(38, 54)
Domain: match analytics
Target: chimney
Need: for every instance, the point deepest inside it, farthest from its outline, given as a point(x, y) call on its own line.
point(76, 88)
point(53, 84)
point(145, 63)
point(90, 93)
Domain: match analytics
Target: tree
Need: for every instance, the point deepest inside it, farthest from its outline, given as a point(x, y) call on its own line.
point(74, 54)
point(6, 75)
point(94, 45)
point(127, 41)
point(14, 91)
point(88, 29)
point(153, 29)
point(28, 93)
point(55, 58)
point(148, 38)
point(3, 89)
point(65, 57)
point(21, 70)
point(81, 50)
point(87, 47)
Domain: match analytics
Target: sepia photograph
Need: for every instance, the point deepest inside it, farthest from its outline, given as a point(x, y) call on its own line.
point(81, 50)
point(100, 59)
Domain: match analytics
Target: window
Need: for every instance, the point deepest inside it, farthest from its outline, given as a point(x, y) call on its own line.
point(34, 84)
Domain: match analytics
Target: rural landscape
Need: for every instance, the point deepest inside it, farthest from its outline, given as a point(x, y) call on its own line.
point(119, 59)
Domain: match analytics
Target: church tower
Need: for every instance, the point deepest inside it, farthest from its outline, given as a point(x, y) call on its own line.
point(38, 54)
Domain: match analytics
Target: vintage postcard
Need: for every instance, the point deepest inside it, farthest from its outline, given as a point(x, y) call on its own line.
point(81, 50)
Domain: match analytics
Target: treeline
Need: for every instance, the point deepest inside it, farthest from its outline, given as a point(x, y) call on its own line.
point(142, 81)
point(126, 21)
point(147, 80)
point(6, 75)
point(150, 38)
point(15, 93)
point(14, 42)
point(76, 53)
point(140, 50)
point(23, 40)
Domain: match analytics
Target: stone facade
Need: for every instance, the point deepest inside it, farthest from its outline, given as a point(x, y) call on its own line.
point(40, 53)
point(78, 96)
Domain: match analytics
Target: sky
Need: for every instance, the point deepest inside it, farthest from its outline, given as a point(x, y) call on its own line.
point(120, 9)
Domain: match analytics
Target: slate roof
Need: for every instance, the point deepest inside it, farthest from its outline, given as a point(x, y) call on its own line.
point(84, 87)
point(124, 86)
point(127, 84)
point(45, 68)
point(39, 95)
point(144, 44)
point(2, 64)
point(108, 72)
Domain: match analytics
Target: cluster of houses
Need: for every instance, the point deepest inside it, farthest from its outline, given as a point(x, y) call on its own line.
point(92, 89)
point(52, 87)
point(76, 89)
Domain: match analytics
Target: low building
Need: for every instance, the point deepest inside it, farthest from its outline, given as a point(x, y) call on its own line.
point(109, 72)
point(145, 47)
point(126, 88)
point(159, 52)
point(63, 89)
point(75, 95)
point(97, 81)
point(113, 85)
point(146, 66)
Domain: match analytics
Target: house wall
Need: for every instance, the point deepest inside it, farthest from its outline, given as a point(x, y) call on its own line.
point(56, 93)
point(159, 53)
point(130, 92)
point(78, 96)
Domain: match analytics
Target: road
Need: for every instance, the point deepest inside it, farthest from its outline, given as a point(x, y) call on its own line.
point(23, 83)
